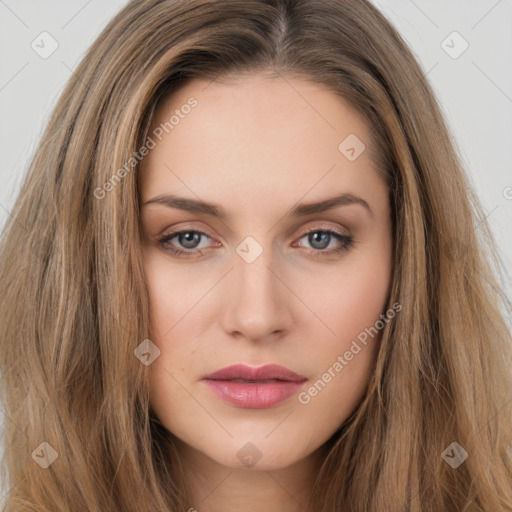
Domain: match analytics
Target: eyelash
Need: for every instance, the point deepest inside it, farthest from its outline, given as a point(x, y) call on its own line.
point(346, 240)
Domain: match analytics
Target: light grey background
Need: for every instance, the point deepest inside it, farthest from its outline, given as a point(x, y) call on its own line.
point(475, 89)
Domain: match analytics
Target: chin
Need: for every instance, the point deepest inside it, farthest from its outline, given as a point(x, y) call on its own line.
point(256, 454)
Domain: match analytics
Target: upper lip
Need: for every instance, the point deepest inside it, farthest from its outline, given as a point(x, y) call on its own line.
point(266, 372)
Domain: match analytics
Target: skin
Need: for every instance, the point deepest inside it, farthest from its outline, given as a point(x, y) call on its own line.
point(257, 146)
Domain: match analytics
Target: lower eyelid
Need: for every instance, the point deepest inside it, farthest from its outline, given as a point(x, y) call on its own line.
point(344, 240)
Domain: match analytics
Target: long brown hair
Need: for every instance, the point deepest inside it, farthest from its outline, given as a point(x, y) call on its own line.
point(75, 306)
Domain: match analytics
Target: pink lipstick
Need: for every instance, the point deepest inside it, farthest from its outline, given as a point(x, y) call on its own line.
point(254, 388)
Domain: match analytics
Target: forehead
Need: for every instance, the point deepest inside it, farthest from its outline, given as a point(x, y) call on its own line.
point(255, 134)
point(262, 105)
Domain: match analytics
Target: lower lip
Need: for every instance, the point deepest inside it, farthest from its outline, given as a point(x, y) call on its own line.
point(253, 395)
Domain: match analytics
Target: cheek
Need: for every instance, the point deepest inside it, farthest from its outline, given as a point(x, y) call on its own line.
point(344, 361)
point(350, 304)
point(173, 292)
point(349, 300)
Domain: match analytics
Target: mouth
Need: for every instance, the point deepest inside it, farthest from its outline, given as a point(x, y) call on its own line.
point(257, 381)
point(254, 388)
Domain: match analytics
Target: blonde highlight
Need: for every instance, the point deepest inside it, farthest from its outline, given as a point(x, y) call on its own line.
point(75, 303)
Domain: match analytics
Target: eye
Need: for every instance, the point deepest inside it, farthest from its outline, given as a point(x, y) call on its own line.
point(320, 239)
point(190, 241)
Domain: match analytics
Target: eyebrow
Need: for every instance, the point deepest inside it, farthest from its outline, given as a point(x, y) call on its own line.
point(215, 210)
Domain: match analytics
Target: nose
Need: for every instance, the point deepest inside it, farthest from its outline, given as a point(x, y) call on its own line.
point(259, 303)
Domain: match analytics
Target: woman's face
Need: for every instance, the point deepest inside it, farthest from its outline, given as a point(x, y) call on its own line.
point(271, 281)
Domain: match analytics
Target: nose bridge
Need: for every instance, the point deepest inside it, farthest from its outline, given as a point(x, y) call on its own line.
point(257, 304)
point(252, 270)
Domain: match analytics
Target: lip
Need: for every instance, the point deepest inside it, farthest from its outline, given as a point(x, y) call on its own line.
point(244, 372)
point(254, 388)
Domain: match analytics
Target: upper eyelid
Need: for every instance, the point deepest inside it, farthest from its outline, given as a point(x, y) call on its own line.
point(321, 227)
point(311, 226)
point(303, 232)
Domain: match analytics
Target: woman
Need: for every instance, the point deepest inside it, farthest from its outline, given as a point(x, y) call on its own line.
point(246, 272)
